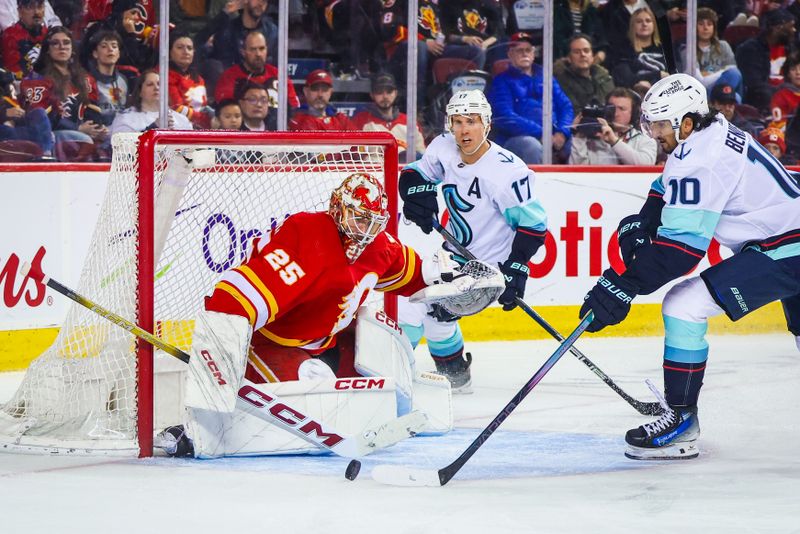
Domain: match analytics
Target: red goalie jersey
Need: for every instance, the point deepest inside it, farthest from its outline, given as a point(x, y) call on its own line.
point(298, 289)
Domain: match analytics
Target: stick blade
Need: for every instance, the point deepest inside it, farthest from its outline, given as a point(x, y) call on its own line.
point(398, 475)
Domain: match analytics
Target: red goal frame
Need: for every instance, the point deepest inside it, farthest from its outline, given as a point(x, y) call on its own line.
point(145, 256)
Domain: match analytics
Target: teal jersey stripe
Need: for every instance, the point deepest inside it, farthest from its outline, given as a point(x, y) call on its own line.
point(685, 335)
point(786, 251)
point(413, 165)
point(657, 185)
point(692, 227)
point(413, 333)
point(448, 346)
point(685, 356)
point(531, 215)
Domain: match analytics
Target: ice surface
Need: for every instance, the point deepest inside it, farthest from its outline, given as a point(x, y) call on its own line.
point(556, 464)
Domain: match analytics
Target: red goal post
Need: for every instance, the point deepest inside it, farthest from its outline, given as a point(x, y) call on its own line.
point(147, 150)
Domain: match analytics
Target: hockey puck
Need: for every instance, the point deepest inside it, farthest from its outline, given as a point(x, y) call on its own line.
point(352, 470)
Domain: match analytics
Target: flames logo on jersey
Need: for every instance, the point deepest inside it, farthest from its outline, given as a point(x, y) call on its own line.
point(353, 300)
point(428, 20)
point(472, 20)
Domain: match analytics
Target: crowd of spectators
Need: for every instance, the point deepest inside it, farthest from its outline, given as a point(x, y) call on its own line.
point(76, 71)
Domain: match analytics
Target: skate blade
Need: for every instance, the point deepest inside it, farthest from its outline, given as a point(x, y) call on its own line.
point(465, 389)
point(677, 451)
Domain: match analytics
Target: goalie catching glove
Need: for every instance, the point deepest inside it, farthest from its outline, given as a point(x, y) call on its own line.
point(465, 291)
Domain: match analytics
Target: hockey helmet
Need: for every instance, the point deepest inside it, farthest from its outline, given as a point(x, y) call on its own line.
point(360, 208)
point(467, 103)
point(670, 99)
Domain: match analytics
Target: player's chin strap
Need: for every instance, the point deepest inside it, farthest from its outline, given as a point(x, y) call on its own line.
point(483, 140)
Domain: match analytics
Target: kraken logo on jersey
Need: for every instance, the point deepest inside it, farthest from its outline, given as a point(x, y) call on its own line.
point(456, 206)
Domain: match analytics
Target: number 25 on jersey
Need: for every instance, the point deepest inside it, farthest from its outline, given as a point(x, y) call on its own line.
point(289, 271)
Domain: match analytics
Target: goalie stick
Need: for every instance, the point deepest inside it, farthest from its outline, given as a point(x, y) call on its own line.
point(398, 475)
point(265, 406)
point(644, 408)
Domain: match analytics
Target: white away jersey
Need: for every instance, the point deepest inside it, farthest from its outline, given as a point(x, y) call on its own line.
point(487, 200)
point(721, 183)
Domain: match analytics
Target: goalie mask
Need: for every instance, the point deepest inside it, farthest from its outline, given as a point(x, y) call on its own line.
point(360, 209)
point(669, 100)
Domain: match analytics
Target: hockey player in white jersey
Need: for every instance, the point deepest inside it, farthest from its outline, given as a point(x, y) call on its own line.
point(717, 183)
point(489, 194)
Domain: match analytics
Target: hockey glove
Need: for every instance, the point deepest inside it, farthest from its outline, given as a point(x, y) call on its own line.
point(515, 274)
point(442, 315)
point(610, 300)
point(632, 235)
point(419, 200)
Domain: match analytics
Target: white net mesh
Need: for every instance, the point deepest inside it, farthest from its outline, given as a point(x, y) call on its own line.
point(80, 394)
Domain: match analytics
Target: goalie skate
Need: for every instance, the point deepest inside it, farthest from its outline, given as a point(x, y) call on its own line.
point(672, 436)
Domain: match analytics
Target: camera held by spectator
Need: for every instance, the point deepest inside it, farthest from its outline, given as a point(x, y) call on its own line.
point(589, 126)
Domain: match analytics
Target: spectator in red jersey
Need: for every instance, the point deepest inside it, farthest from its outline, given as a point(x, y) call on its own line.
point(60, 86)
point(254, 102)
point(383, 116)
point(316, 113)
point(221, 42)
point(18, 124)
point(111, 84)
point(229, 115)
point(187, 89)
point(9, 14)
point(786, 99)
point(22, 42)
point(254, 67)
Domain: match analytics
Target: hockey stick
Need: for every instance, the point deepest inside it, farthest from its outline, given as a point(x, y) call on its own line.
point(398, 475)
point(265, 406)
point(644, 408)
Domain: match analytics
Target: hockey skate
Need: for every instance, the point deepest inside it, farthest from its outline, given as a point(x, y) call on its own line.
point(670, 437)
point(174, 441)
point(456, 369)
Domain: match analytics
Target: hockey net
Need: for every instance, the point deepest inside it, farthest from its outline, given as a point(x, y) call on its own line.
point(162, 240)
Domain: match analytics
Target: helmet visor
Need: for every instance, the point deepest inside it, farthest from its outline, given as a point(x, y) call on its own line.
point(655, 129)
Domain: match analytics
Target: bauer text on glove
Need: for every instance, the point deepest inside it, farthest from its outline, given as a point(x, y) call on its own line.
point(610, 300)
point(419, 199)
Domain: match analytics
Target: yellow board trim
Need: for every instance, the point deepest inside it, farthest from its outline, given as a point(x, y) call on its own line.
point(19, 347)
point(493, 324)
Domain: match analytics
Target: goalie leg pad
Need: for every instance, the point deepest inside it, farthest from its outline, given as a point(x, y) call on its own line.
point(348, 405)
point(219, 354)
point(383, 350)
point(433, 397)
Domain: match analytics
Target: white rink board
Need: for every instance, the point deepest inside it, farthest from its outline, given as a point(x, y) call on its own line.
point(54, 214)
point(49, 215)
